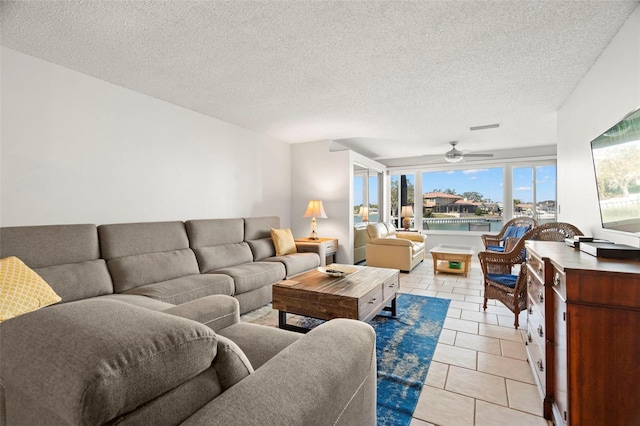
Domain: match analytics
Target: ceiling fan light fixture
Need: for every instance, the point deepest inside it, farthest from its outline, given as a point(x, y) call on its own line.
point(453, 159)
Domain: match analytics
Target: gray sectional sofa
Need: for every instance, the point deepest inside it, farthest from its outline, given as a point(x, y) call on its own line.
point(148, 332)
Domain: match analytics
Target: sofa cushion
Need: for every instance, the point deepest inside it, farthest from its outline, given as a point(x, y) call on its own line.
point(76, 281)
point(137, 270)
point(67, 257)
point(104, 358)
point(128, 239)
point(222, 256)
point(216, 312)
point(296, 263)
point(49, 245)
point(283, 241)
point(253, 275)
point(231, 364)
point(257, 233)
point(22, 290)
point(146, 253)
point(185, 289)
point(260, 343)
point(218, 243)
point(214, 232)
point(137, 300)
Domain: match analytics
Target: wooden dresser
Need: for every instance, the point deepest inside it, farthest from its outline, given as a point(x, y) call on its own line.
point(583, 335)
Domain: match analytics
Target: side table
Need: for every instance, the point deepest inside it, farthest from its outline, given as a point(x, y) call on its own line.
point(328, 245)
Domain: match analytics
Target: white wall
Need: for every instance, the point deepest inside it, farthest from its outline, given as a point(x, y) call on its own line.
point(609, 91)
point(318, 174)
point(75, 149)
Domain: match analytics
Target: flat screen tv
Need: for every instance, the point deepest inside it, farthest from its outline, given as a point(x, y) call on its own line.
point(616, 161)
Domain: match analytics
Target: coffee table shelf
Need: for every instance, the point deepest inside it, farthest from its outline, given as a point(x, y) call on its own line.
point(442, 254)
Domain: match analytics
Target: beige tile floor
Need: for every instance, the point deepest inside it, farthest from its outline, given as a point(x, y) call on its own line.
point(479, 374)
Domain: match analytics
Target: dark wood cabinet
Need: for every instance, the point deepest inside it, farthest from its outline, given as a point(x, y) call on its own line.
point(583, 335)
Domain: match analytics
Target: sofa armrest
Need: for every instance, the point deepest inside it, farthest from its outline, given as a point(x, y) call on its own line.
point(320, 249)
point(327, 377)
point(412, 236)
point(216, 311)
point(391, 242)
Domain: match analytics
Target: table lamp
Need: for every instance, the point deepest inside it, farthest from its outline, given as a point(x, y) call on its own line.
point(407, 212)
point(364, 213)
point(314, 209)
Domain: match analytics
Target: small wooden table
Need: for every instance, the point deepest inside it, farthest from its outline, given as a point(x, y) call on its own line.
point(444, 253)
point(309, 245)
point(360, 295)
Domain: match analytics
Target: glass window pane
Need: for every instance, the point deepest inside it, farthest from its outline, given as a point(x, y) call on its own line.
point(546, 194)
point(402, 194)
point(373, 197)
point(523, 191)
point(463, 200)
point(358, 198)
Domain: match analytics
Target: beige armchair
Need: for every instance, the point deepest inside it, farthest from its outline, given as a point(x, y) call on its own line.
point(359, 244)
point(389, 248)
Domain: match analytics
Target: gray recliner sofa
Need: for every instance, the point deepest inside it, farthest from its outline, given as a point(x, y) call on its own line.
point(142, 337)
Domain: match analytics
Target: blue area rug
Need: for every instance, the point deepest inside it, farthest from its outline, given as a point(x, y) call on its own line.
point(404, 349)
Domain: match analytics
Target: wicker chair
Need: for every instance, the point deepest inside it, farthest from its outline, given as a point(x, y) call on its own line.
point(498, 240)
point(499, 282)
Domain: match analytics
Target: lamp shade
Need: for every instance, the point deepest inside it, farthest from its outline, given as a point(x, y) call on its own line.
point(315, 209)
point(407, 211)
point(364, 213)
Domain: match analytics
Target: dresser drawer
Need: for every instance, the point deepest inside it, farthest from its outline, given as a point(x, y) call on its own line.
point(535, 289)
point(535, 324)
point(369, 303)
point(535, 265)
point(538, 363)
point(559, 282)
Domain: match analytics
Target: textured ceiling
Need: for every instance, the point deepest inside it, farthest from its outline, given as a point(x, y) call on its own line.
point(387, 78)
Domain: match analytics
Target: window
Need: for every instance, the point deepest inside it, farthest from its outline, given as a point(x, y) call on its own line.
point(366, 194)
point(534, 193)
point(463, 200)
point(402, 194)
point(477, 199)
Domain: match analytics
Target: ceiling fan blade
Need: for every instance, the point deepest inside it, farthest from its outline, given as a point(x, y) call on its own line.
point(479, 155)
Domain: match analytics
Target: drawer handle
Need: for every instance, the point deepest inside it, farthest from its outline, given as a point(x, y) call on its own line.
point(372, 300)
point(529, 338)
point(556, 279)
point(530, 310)
point(540, 269)
point(540, 297)
point(392, 285)
point(540, 331)
point(540, 365)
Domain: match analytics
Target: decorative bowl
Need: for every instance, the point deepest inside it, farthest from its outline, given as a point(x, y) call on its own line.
point(337, 270)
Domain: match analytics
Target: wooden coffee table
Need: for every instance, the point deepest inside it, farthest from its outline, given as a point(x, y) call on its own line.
point(360, 295)
point(442, 254)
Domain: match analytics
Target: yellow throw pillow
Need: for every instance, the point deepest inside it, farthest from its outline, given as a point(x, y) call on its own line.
point(283, 241)
point(22, 290)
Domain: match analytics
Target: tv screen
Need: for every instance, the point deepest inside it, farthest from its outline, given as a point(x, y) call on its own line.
point(616, 161)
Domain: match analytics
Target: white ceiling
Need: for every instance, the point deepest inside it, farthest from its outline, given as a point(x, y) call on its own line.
point(388, 79)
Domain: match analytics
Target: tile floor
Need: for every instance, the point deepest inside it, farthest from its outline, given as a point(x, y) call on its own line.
point(479, 374)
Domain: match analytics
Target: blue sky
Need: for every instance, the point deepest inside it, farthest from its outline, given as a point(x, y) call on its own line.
point(487, 182)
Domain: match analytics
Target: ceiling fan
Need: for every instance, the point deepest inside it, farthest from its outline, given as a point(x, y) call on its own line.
point(454, 155)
